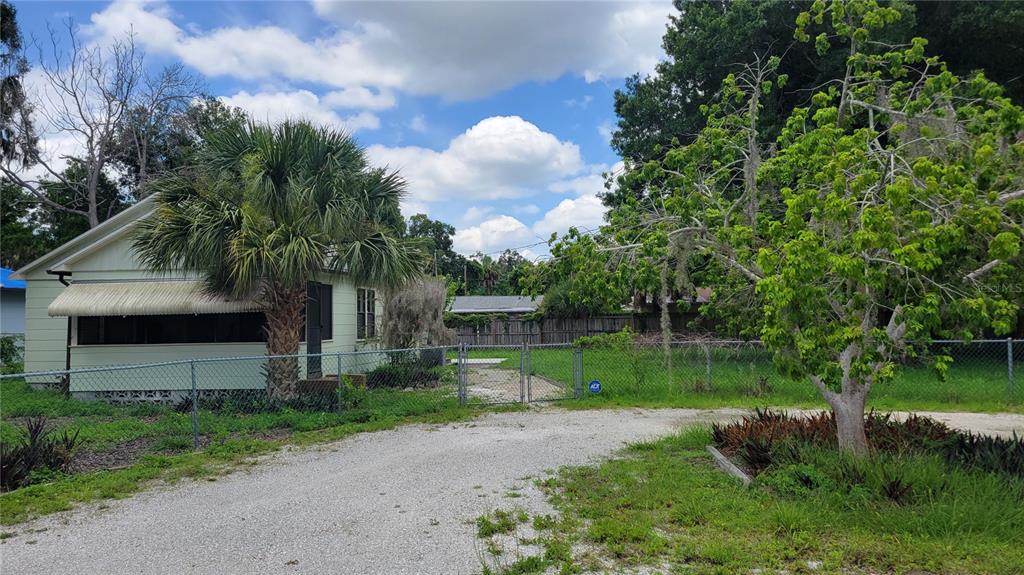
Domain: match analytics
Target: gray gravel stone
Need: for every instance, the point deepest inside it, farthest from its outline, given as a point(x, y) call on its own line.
point(392, 502)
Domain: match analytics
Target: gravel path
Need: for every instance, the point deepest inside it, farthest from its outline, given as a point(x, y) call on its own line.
point(391, 502)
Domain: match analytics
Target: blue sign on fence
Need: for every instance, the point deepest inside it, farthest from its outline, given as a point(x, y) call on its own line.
point(595, 386)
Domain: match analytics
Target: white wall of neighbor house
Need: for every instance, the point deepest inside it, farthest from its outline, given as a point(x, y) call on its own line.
point(46, 335)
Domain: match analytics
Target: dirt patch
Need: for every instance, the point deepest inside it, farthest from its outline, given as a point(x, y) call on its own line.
point(128, 453)
point(121, 455)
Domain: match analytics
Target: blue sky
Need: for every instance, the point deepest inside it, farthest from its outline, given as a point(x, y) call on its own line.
point(496, 113)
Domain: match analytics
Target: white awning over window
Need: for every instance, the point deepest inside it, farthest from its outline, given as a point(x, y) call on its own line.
point(142, 298)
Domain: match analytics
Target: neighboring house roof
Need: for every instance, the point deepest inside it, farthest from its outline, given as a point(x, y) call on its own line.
point(92, 240)
point(142, 298)
point(7, 283)
point(495, 304)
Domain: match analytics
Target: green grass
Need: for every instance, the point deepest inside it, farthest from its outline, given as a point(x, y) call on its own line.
point(666, 505)
point(641, 378)
point(234, 438)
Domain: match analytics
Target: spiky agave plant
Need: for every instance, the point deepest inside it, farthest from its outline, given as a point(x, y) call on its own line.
point(261, 210)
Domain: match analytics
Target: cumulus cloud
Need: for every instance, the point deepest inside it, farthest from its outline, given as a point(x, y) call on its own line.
point(253, 53)
point(585, 213)
point(472, 49)
point(499, 157)
point(468, 50)
point(300, 104)
point(492, 235)
point(591, 183)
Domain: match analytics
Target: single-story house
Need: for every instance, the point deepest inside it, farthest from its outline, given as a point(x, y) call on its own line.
point(12, 304)
point(91, 303)
point(511, 305)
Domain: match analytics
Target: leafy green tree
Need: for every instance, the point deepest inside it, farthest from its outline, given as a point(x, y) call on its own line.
point(707, 40)
point(578, 280)
point(60, 226)
point(887, 212)
point(439, 237)
point(262, 210)
point(20, 244)
point(17, 137)
point(161, 133)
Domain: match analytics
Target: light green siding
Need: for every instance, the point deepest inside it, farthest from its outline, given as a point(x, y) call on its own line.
point(45, 337)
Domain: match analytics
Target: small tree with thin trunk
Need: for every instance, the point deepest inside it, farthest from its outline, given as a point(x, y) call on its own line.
point(262, 210)
point(889, 211)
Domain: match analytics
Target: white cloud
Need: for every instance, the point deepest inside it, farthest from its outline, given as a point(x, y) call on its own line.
point(418, 124)
point(499, 157)
point(476, 213)
point(591, 183)
point(585, 213)
point(458, 50)
point(300, 104)
point(360, 97)
point(492, 235)
point(472, 49)
point(253, 53)
point(527, 209)
point(605, 129)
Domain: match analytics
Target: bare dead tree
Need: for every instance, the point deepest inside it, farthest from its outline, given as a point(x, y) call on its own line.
point(87, 94)
point(159, 98)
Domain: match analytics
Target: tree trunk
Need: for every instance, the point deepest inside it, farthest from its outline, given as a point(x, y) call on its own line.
point(848, 408)
point(284, 307)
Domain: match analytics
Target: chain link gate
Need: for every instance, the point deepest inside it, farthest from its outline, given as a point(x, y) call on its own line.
point(509, 374)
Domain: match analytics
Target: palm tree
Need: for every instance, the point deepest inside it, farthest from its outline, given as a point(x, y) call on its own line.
point(261, 210)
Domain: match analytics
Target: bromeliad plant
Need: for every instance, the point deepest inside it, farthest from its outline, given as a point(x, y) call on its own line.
point(889, 211)
point(262, 210)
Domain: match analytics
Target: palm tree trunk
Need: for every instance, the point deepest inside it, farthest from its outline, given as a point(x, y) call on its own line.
point(284, 308)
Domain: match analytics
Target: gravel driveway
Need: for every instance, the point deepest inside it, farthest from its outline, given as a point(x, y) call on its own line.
point(391, 502)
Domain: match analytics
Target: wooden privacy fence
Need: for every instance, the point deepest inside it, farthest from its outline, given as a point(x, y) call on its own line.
point(516, 331)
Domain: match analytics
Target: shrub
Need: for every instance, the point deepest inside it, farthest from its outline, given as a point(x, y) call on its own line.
point(38, 454)
point(989, 453)
point(415, 373)
point(768, 438)
point(619, 340)
point(11, 358)
point(350, 394)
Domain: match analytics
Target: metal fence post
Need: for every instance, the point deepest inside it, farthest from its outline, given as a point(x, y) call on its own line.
point(522, 373)
point(460, 363)
point(341, 389)
point(529, 378)
point(1010, 387)
point(195, 406)
point(577, 372)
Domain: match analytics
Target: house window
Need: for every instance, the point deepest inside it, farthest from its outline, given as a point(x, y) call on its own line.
point(149, 329)
point(366, 313)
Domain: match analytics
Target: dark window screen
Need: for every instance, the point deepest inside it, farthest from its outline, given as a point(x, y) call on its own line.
point(143, 329)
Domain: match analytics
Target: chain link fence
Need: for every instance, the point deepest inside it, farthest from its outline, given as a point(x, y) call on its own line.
point(123, 412)
point(164, 407)
point(711, 373)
